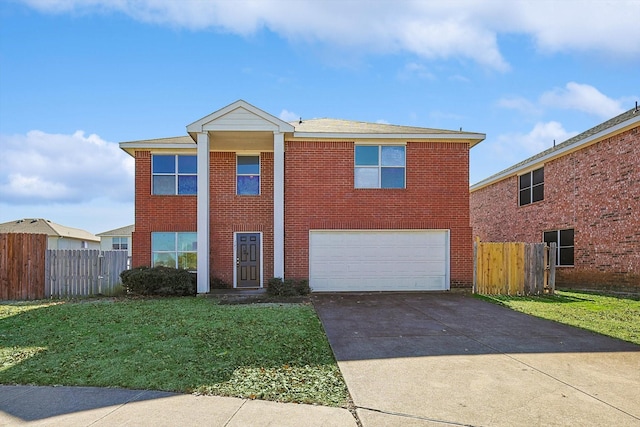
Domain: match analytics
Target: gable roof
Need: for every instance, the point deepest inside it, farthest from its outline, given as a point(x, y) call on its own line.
point(239, 115)
point(122, 231)
point(44, 226)
point(625, 121)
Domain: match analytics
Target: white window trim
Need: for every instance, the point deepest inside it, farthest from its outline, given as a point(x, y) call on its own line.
point(176, 174)
point(380, 167)
point(259, 175)
point(120, 240)
point(235, 251)
point(175, 251)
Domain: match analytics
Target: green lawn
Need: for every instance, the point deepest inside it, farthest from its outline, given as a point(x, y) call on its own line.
point(615, 316)
point(270, 351)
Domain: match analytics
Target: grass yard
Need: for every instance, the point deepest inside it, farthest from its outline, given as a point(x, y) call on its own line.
point(615, 316)
point(192, 345)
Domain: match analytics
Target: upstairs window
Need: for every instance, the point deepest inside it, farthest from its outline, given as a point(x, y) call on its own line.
point(564, 245)
point(379, 166)
point(174, 175)
point(248, 175)
point(119, 243)
point(531, 187)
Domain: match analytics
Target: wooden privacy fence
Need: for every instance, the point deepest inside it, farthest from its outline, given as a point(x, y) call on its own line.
point(83, 272)
point(22, 264)
point(513, 268)
point(29, 271)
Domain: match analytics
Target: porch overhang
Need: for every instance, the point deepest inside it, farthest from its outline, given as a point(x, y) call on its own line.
point(239, 117)
point(238, 127)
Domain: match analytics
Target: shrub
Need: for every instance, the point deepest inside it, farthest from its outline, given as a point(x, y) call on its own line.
point(288, 287)
point(164, 281)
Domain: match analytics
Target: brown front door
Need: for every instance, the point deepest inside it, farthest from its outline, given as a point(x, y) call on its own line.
point(248, 260)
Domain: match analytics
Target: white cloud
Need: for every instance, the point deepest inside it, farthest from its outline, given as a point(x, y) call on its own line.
point(582, 97)
point(608, 27)
point(431, 30)
point(40, 168)
point(538, 139)
point(288, 116)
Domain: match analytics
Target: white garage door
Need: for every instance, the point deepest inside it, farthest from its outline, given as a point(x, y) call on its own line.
point(380, 260)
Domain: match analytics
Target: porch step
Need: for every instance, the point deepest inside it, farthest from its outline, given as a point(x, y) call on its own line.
point(238, 296)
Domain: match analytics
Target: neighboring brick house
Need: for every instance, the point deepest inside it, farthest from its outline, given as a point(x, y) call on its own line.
point(351, 206)
point(583, 194)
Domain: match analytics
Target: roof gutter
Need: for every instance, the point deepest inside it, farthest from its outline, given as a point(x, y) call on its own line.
point(592, 139)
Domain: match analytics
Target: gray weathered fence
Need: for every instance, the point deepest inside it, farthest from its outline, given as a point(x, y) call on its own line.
point(83, 272)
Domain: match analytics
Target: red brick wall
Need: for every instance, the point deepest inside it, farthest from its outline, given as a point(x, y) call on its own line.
point(319, 194)
point(156, 213)
point(595, 191)
point(230, 213)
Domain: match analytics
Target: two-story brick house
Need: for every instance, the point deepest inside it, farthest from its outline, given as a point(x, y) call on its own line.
point(582, 194)
point(351, 206)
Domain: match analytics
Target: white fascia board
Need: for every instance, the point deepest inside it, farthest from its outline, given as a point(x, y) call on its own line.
point(406, 136)
point(540, 161)
point(125, 145)
point(130, 147)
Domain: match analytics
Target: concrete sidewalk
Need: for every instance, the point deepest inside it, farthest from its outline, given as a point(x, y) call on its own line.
point(91, 406)
point(436, 359)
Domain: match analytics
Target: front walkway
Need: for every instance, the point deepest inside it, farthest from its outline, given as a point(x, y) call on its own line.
point(91, 406)
point(437, 359)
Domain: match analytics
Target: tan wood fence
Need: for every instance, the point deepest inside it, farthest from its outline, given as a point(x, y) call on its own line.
point(22, 263)
point(513, 268)
point(29, 271)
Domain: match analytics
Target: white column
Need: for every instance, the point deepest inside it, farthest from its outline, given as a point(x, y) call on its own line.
point(278, 204)
point(203, 212)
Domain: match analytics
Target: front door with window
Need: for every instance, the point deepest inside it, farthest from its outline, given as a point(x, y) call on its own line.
point(248, 260)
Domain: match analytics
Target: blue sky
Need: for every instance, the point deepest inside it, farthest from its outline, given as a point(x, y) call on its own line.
point(79, 76)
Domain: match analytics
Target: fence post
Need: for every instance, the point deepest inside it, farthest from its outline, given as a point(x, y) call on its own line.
point(475, 264)
point(552, 268)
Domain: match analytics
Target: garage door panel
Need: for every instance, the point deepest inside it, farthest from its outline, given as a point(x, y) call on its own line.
point(378, 260)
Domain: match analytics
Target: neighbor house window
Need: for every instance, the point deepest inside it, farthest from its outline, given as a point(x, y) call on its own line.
point(531, 187)
point(176, 250)
point(564, 245)
point(119, 243)
point(174, 174)
point(248, 175)
point(379, 166)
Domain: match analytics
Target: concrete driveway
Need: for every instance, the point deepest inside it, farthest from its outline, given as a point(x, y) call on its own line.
point(435, 359)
